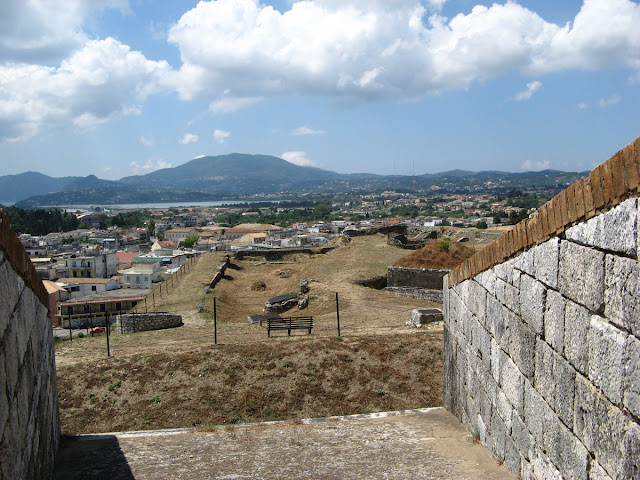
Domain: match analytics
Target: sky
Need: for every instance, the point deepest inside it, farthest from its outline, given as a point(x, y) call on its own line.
point(124, 87)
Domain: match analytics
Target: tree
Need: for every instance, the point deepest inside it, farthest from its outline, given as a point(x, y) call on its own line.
point(481, 225)
point(321, 211)
point(189, 242)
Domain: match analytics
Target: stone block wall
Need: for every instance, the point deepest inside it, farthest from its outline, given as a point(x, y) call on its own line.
point(143, 322)
point(542, 334)
point(29, 419)
point(415, 277)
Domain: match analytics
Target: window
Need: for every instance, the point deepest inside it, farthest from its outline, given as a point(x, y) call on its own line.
point(94, 288)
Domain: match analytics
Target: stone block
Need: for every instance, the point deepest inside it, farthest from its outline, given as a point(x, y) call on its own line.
point(622, 292)
point(525, 262)
point(538, 415)
point(630, 455)
point(565, 382)
point(566, 452)
point(503, 408)
point(508, 295)
point(614, 230)
point(601, 427)
point(512, 457)
point(545, 375)
point(532, 301)
point(581, 275)
point(554, 320)
point(487, 280)
point(499, 435)
point(596, 472)
point(495, 360)
point(521, 345)
point(631, 399)
point(498, 317)
point(10, 290)
point(545, 261)
point(606, 358)
point(577, 321)
point(512, 383)
point(543, 467)
point(476, 299)
point(522, 437)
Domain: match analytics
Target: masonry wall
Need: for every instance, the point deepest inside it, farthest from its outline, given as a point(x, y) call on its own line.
point(142, 322)
point(29, 420)
point(542, 334)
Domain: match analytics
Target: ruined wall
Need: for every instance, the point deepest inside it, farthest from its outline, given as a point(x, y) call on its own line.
point(542, 334)
point(415, 277)
point(142, 322)
point(29, 420)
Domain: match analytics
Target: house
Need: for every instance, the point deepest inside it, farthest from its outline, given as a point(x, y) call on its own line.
point(92, 266)
point(177, 235)
point(253, 238)
point(92, 310)
point(86, 286)
point(168, 245)
point(142, 275)
point(56, 294)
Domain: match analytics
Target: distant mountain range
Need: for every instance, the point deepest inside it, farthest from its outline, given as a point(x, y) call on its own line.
point(237, 175)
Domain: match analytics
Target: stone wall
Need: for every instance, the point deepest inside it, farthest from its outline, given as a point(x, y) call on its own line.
point(415, 277)
point(29, 419)
point(542, 334)
point(142, 322)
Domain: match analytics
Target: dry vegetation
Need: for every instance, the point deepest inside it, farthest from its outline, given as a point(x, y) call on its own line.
point(179, 378)
point(437, 254)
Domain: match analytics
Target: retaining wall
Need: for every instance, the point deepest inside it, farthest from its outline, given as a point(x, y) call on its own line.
point(143, 322)
point(415, 277)
point(29, 419)
point(542, 333)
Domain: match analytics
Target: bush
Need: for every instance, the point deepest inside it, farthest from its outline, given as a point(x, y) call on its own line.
point(481, 225)
point(444, 246)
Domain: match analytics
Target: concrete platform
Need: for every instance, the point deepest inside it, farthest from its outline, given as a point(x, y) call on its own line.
point(417, 444)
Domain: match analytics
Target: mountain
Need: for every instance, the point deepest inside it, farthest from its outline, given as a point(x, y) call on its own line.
point(14, 188)
point(238, 175)
point(235, 172)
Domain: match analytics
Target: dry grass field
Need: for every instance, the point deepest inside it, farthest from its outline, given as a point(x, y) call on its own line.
point(178, 377)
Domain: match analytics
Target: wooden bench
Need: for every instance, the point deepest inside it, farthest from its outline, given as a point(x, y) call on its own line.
point(289, 323)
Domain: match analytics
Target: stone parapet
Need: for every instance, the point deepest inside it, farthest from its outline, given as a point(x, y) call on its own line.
point(542, 350)
point(143, 322)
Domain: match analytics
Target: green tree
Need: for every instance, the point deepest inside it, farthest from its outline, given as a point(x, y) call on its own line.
point(189, 242)
point(481, 225)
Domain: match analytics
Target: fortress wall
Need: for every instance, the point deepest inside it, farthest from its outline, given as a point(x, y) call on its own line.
point(29, 420)
point(542, 333)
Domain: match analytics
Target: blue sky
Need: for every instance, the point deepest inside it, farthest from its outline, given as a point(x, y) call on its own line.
point(122, 87)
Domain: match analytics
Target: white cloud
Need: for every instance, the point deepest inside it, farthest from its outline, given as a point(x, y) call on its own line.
point(530, 166)
point(532, 87)
point(147, 142)
point(46, 31)
point(150, 165)
point(220, 136)
point(583, 106)
point(298, 158)
point(188, 138)
point(199, 156)
point(101, 81)
point(236, 52)
point(612, 100)
point(305, 130)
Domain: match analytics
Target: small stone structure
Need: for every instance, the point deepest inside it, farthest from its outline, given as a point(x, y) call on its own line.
point(542, 333)
point(420, 283)
point(281, 303)
point(29, 418)
point(219, 274)
point(142, 322)
point(424, 316)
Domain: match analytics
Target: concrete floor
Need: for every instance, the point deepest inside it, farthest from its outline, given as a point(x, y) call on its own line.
point(418, 444)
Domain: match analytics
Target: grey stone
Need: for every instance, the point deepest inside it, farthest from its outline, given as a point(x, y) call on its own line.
point(498, 435)
point(545, 261)
point(523, 438)
point(525, 262)
point(631, 376)
point(477, 299)
point(424, 316)
point(498, 319)
point(508, 295)
point(532, 301)
point(565, 377)
point(606, 358)
point(512, 457)
point(538, 415)
point(521, 345)
point(614, 230)
point(554, 320)
point(512, 383)
point(596, 472)
point(630, 455)
point(543, 467)
point(487, 280)
point(600, 426)
point(545, 375)
point(576, 345)
point(622, 292)
point(10, 290)
point(581, 275)
point(495, 360)
point(503, 408)
point(565, 450)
